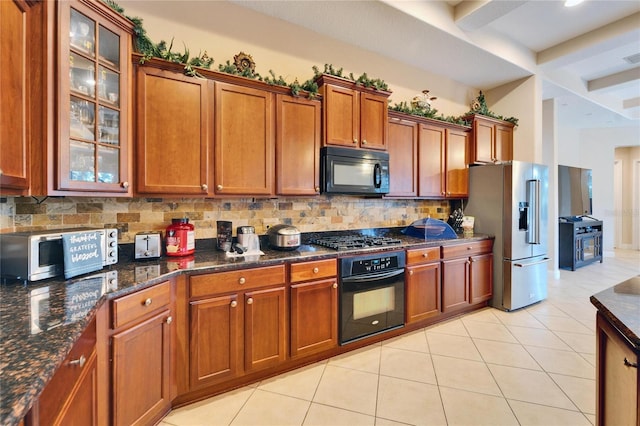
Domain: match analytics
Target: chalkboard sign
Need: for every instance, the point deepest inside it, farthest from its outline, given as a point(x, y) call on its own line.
point(82, 253)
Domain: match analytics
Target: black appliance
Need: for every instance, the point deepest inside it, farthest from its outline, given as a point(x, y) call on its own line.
point(354, 241)
point(354, 171)
point(371, 294)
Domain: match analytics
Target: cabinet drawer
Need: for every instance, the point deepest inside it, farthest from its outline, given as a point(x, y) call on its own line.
point(141, 303)
point(305, 271)
point(429, 254)
point(59, 388)
point(211, 284)
point(467, 249)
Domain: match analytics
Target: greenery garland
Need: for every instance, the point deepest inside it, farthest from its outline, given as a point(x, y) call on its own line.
point(479, 106)
point(407, 108)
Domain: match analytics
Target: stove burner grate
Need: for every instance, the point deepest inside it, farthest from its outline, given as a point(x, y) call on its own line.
point(353, 241)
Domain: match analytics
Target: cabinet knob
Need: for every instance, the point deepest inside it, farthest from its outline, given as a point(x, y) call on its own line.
point(470, 248)
point(364, 141)
point(242, 280)
point(250, 301)
point(204, 186)
point(147, 302)
point(234, 303)
point(410, 272)
point(316, 270)
point(125, 185)
point(169, 320)
point(425, 254)
point(82, 360)
point(334, 285)
point(355, 141)
point(219, 187)
point(317, 188)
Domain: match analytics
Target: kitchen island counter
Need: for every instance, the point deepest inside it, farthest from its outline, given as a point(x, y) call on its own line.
point(620, 305)
point(41, 321)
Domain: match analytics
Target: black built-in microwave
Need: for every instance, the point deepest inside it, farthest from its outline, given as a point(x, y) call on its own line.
point(354, 171)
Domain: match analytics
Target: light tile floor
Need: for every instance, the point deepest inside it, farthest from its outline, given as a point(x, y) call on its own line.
point(535, 366)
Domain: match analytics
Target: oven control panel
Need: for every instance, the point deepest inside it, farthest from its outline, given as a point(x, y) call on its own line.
point(374, 263)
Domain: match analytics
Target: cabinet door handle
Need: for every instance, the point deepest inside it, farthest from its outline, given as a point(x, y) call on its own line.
point(250, 301)
point(410, 272)
point(169, 320)
point(148, 302)
point(125, 185)
point(355, 141)
point(335, 285)
point(364, 141)
point(629, 363)
point(316, 270)
point(234, 303)
point(219, 187)
point(317, 188)
point(204, 186)
point(242, 281)
point(82, 360)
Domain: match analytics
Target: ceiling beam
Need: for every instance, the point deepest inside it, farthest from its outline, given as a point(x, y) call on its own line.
point(622, 31)
point(614, 79)
point(631, 103)
point(471, 15)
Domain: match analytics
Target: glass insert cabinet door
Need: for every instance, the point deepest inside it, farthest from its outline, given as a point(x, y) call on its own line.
point(93, 75)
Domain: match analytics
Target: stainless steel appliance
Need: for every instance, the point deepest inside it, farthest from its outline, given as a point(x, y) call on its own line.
point(371, 294)
point(284, 237)
point(509, 201)
point(147, 245)
point(36, 255)
point(354, 171)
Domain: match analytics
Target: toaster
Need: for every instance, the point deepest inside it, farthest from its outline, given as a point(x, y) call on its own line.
point(148, 245)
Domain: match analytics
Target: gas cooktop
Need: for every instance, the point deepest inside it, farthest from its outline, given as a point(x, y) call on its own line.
point(353, 241)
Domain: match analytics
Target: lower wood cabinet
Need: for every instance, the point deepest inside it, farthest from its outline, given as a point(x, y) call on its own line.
point(71, 397)
point(314, 307)
point(617, 377)
point(141, 356)
point(467, 274)
point(423, 284)
point(238, 332)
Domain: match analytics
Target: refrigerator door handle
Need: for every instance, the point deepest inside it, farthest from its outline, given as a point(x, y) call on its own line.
point(533, 197)
point(522, 265)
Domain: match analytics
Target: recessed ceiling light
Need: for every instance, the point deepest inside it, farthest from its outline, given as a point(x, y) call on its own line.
point(571, 3)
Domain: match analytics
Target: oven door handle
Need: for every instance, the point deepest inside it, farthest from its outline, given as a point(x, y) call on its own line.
point(373, 277)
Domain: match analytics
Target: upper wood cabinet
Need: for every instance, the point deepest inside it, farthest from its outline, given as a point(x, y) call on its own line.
point(427, 158)
point(403, 157)
point(15, 29)
point(93, 97)
point(491, 140)
point(353, 115)
point(298, 133)
point(174, 143)
point(244, 141)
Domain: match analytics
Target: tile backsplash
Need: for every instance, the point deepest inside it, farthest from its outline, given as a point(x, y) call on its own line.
point(130, 216)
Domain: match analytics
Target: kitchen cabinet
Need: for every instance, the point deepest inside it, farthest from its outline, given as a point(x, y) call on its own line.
point(298, 139)
point(174, 132)
point(580, 243)
point(423, 284)
point(403, 157)
point(467, 274)
point(88, 112)
point(617, 377)
point(427, 158)
point(238, 323)
point(244, 140)
point(141, 364)
point(314, 307)
point(71, 397)
point(353, 116)
point(491, 140)
point(442, 162)
point(15, 28)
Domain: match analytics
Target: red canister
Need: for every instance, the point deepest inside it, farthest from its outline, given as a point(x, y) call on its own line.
point(180, 238)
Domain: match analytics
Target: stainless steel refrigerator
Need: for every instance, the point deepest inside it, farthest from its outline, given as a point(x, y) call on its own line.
point(509, 201)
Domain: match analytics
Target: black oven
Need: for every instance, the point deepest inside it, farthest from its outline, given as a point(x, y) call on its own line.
point(371, 294)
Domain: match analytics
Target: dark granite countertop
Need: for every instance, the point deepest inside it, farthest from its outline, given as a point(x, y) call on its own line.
point(40, 321)
point(620, 305)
